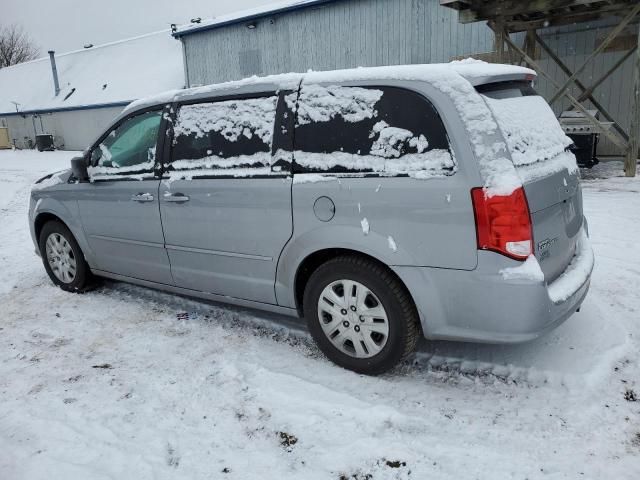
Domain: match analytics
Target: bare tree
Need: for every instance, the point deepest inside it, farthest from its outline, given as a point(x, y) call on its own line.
point(15, 46)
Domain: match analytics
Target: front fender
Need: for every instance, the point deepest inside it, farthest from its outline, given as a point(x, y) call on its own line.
point(60, 204)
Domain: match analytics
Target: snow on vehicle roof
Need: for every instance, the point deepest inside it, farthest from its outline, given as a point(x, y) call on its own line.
point(474, 71)
point(114, 73)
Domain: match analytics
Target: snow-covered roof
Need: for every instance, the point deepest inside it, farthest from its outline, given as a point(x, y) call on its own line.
point(475, 72)
point(248, 15)
point(114, 73)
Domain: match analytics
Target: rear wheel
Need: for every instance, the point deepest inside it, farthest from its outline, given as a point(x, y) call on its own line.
point(63, 260)
point(360, 315)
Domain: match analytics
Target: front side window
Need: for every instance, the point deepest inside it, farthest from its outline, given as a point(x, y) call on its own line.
point(224, 138)
point(129, 150)
point(385, 130)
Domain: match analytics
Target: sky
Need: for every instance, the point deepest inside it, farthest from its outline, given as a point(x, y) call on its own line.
point(65, 25)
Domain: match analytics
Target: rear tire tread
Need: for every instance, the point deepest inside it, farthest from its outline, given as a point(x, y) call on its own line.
point(408, 310)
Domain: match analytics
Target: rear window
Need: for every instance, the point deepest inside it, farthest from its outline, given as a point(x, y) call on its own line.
point(527, 122)
point(383, 130)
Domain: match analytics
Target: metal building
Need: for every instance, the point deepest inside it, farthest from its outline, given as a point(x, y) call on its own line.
point(330, 34)
point(74, 96)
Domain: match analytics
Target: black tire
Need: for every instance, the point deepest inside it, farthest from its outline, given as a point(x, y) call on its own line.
point(403, 320)
point(82, 278)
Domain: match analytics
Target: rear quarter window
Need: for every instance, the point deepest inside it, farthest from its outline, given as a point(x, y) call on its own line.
point(378, 130)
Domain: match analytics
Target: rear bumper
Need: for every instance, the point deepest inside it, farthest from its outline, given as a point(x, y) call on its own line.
point(482, 306)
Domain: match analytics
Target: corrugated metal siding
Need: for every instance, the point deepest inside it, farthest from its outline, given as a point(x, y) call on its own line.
point(386, 32)
point(337, 35)
point(73, 130)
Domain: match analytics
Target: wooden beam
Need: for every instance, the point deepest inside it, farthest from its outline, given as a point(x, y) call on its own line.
point(613, 34)
point(581, 86)
point(557, 20)
point(606, 75)
point(631, 157)
point(533, 64)
point(479, 11)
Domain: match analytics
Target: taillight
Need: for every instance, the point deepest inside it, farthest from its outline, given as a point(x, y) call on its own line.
point(503, 223)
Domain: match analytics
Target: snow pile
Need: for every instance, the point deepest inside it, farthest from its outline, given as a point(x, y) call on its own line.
point(237, 172)
point(214, 162)
point(529, 270)
point(232, 118)
point(576, 274)
point(529, 127)
point(391, 140)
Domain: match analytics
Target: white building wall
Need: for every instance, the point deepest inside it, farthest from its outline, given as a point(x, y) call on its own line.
point(72, 130)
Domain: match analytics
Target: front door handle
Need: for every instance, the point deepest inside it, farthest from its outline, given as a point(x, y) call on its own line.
point(176, 197)
point(142, 197)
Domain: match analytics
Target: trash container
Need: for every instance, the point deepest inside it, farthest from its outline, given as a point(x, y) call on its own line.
point(44, 142)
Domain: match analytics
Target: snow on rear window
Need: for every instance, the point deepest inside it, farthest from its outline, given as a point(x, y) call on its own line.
point(529, 127)
point(387, 130)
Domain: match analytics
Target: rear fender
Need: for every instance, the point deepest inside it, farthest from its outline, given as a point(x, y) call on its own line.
point(332, 237)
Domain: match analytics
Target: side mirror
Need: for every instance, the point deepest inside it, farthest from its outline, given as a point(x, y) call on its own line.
point(79, 169)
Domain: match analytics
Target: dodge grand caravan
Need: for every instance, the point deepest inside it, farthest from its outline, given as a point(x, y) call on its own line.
point(380, 204)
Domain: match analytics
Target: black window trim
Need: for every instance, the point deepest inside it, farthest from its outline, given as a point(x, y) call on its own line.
point(173, 113)
point(525, 87)
point(160, 141)
point(296, 169)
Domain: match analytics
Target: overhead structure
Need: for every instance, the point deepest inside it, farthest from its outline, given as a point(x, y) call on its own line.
point(507, 17)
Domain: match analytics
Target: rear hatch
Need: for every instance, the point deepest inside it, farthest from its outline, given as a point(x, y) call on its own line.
point(539, 150)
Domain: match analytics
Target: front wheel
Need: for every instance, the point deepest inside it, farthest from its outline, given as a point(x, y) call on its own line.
point(360, 315)
point(63, 260)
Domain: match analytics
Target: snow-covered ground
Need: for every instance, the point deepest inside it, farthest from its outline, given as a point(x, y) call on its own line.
point(128, 383)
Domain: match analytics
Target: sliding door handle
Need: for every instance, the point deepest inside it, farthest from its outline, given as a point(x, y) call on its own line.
point(142, 197)
point(175, 197)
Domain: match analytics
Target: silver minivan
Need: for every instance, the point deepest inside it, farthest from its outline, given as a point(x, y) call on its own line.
point(381, 204)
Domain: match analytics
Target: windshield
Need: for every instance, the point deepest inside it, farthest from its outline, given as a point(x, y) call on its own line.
point(527, 122)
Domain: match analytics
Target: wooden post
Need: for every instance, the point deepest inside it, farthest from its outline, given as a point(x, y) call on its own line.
point(498, 39)
point(530, 43)
point(631, 158)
